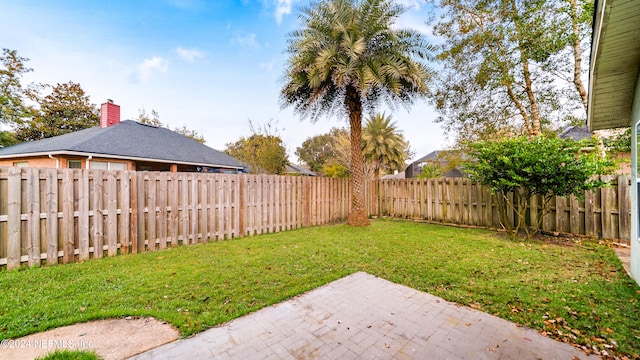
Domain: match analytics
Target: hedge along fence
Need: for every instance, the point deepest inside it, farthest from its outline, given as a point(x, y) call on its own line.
point(604, 213)
point(49, 216)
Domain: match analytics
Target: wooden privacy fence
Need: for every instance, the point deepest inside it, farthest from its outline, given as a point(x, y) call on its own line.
point(604, 213)
point(68, 215)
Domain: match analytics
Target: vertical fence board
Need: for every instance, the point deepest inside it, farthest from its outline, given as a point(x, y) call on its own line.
point(206, 207)
point(83, 215)
point(605, 206)
point(560, 214)
point(125, 219)
point(193, 205)
point(213, 215)
point(574, 215)
point(112, 216)
point(140, 192)
point(97, 220)
point(162, 207)
point(33, 209)
point(52, 215)
point(184, 208)
point(174, 216)
point(134, 213)
point(14, 191)
point(228, 211)
point(67, 230)
point(624, 206)
point(152, 212)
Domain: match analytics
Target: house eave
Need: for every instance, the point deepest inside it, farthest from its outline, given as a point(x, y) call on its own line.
point(119, 157)
point(615, 59)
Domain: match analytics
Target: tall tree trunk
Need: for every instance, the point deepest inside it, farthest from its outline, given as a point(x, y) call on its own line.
point(577, 54)
point(358, 215)
point(535, 113)
point(521, 109)
point(526, 73)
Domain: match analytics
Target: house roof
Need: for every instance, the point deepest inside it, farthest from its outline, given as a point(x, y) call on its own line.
point(399, 175)
point(575, 133)
point(432, 156)
point(615, 59)
point(127, 140)
point(439, 156)
point(298, 169)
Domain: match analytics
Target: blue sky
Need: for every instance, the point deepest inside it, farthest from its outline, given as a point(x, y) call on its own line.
point(209, 65)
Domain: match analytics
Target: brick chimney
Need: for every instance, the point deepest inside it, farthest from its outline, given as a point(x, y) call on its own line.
point(109, 114)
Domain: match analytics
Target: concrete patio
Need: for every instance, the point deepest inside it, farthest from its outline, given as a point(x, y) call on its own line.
point(365, 317)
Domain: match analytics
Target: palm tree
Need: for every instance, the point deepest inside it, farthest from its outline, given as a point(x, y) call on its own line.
point(383, 144)
point(347, 56)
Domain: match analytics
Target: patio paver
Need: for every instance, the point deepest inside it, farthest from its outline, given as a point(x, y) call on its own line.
point(364, 317)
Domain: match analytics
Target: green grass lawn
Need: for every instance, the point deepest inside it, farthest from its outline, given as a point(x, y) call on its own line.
point(576, 291)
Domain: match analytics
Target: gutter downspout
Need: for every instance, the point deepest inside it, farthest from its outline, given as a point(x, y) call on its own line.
point(88, 160)
point(57, 160)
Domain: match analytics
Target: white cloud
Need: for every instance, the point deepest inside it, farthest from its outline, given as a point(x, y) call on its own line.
point(268, 66)
point(410, 21)
point(189, 55)
point(283, 7)
point(149, 66)
point(410, 4)
point(248, 40)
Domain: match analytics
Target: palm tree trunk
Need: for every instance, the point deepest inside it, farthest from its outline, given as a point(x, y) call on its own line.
point(358, 215)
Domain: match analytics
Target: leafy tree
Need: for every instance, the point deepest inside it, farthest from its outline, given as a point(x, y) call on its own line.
point(346, 57)
point(430, 171)
point(542, 166)
point(501, 61)
point(335, 170)
point(263, 151)
point(190, 133)
point(323, 150)
point(12, 68)
point(150, 119)
point(154, 119)
point(66, 109)
point(384, 146)
point(7, 138)
point(318, 150)
point(621, 142)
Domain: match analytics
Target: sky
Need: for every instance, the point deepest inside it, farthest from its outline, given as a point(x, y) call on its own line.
point(210, 65)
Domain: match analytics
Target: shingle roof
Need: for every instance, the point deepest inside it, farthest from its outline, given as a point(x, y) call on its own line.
point(298, 169)
point(575, 133)
point(128, 139)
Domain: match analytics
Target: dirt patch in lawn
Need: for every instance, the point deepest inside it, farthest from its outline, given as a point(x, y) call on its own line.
point(111, 339)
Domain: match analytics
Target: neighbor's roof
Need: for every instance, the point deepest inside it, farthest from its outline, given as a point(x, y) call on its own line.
point(439, 156)
point(432, 156)
point(615, 58)
point(298, 169)
point(127, 140)
point(575, 133)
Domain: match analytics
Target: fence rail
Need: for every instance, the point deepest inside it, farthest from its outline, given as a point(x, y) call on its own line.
point(48, 216)
point(604, 213)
